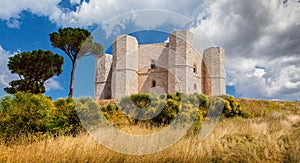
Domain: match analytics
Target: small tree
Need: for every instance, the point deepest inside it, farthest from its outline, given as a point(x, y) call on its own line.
point(75, 42)
point(34, 69)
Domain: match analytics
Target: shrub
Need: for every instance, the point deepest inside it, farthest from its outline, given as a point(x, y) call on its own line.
point(25, 113)
point(168, 114)
point(64, 119)
point(216, 107)
point(232, 108)
point(195, 106)
point(89, 113)
point(35, 114)
point(175, 96)
point(116, 116)
point(196, 127)
point(203, 101)
point(141, 100)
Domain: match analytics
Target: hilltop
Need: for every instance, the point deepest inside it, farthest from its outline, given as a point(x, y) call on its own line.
point(271, 134)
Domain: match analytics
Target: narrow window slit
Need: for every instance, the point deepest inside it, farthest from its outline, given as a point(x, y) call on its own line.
point(153, 83)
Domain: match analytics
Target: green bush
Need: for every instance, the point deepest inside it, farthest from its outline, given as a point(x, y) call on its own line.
point(194, 106)
point(35, 114)
point(168, 114)
point(232, 108)
point(196, 127)
point(203, 101)
point(175, 96)
point(64, 119)
point(141, 100)
point(25, 113)
point(89, 112)
point(170, 104)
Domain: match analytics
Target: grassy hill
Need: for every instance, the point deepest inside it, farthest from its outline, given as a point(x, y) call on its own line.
point(272, 135)
point(265, 107)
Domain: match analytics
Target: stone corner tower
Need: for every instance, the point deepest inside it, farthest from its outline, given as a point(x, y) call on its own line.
point(214, 71)
point(125, 66)
point(180, 74)
point(103, 75)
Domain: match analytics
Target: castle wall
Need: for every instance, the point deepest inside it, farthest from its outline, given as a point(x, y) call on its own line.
point(159, 76)
point(195, 62)
point(156, 54)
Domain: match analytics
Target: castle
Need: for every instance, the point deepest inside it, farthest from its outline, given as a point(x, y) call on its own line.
point(170, 67)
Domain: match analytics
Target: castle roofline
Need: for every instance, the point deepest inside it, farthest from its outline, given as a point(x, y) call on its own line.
point(161, 43)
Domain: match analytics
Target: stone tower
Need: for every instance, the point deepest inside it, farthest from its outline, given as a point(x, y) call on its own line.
point(103, 75)
point(180, 62)
point(213, 61)
point(124, 67)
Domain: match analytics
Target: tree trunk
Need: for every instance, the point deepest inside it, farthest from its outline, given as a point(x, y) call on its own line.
point(72, 78)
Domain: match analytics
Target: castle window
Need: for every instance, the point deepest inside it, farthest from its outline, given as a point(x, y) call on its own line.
point(195, 86)
point(153, 83)
point(195, 68)
point(153, 66)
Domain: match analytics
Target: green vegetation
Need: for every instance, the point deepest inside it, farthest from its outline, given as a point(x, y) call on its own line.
point(26, 113)
point(263, 108)
point(34, 69)
point(36, 114)
point(191, 107)
point(32, 126)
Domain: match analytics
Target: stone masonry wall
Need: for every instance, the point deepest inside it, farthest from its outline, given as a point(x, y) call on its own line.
point(214, 61)
point(103, 76)
point(181, 62)
point(125, 67)
point(155, 54)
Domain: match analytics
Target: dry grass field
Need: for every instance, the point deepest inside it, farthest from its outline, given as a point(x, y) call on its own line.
point(271, 136)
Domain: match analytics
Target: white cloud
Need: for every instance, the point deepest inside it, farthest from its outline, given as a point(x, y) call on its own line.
point(13, 8)
point(13, 23)
point(52, 84)
point(10, 10)
point(257, 33)
point(98, 12)
point(5, 75)
point(94, 11)
point(134, 21)
point(278, 81)
point(73, 2)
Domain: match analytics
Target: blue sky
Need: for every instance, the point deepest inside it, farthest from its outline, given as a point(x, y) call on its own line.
point(30, 36)
point(261, 39)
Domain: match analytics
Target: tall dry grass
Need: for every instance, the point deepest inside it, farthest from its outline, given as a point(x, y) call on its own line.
point(260, 139)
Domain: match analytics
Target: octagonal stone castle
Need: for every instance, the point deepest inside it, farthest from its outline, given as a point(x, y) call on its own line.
point(170, 67)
